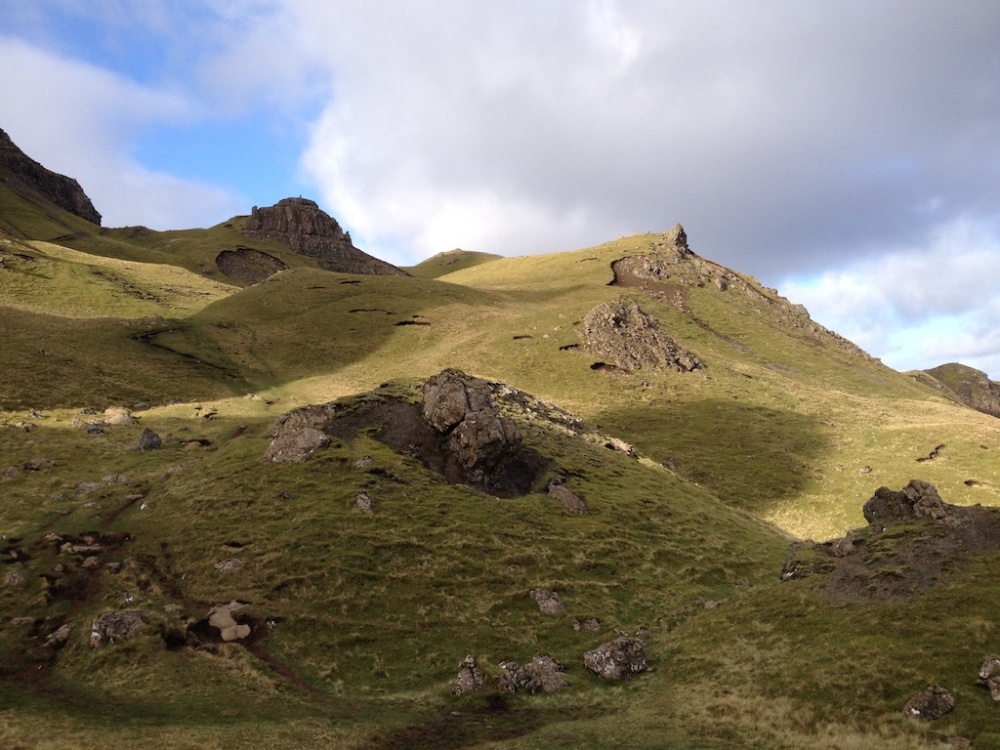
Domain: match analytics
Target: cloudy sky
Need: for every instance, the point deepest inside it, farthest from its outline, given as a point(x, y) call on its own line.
point(846, 152)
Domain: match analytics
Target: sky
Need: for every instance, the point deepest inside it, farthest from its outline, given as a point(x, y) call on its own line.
point(846, 152)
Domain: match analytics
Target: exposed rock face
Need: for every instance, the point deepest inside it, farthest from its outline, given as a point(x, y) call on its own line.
point(930, 704)
point(26, 176)
point(618, 659)
point(916, 500)
point(248, 266)
point(624, 334)
point(470, 677)
point(295, 445)
point(970, 386)
point(304, 227)
point(542, 674)
point(109, 627)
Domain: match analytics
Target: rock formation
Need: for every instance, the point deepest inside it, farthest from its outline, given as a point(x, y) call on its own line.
point(30, 179)
point(470, 677)
point(628, 337)
point(916, 500)
point(300, 224)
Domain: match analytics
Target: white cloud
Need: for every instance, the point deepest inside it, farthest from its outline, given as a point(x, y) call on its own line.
point(81, 120)
point(917, 307)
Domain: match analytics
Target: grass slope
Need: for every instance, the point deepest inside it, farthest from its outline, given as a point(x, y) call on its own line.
point(362, 620)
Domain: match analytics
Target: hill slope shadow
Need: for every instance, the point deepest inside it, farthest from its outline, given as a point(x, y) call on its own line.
point(751, 457)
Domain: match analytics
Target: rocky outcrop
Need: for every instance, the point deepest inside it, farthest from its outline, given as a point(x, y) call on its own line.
point(248, 266)
point(930, 704)
point(630, 338)
point(916, 500)
point(969, 386)
point(617, 660)
point(477, 437)
point(30, 179)
point(300, 224)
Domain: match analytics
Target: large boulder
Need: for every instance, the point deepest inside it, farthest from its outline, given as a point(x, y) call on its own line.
point(918, 499)
point(628, 337)
point(618, 659)
point(109, 627)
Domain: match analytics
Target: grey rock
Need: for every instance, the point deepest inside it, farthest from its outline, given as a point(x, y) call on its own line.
point(542, 674)
point(549, 602)
point(296, 446)
point(918, 499)
point(573, 503)
point(618, 659)
point(109, 627)
point(930, 704)
point(363, 503)
point(149, 441)
point(989, 675)
point(470, 677)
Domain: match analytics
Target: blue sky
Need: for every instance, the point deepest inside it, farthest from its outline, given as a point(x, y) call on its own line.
point(845, 152)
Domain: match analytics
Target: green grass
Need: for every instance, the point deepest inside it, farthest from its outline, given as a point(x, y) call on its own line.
point(786, 434)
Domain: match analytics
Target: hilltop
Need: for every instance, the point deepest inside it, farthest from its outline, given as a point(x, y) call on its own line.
point(599, 498)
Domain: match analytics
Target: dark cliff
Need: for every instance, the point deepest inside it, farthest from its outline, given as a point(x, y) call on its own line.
point(300, 224)
point(27, 177)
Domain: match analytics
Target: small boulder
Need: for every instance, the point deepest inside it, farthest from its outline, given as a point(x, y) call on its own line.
point(232, 565)
point(149, 441)
point(118, 415)
point(549, 602)
point(470, 677)
point(618, 659)
point(562, 493)
point(930, 704)
point(58, 638)
point(989, 675)
point(109, 627)
point(363, 504)
point(296, 446)
point(13, 578)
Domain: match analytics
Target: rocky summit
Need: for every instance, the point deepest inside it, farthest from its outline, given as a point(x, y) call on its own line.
point(302, 225)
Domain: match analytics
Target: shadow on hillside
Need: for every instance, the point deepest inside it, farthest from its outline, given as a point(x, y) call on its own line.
point(750, 457)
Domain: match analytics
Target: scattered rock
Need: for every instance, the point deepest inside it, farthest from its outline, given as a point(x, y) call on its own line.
point(365, 462)
point(559, 491)
point(86, 488)
point(627, 336)
point(296, 446)
point(930, 704)
point(109, 627)
point(989, 675)
point(38, 464)
point(149, 441)
point(470, 677)
point(618, 659)
point(542, 674)
point(20, 622)
point(593, 625)
point(549, 602)
point(11, 472)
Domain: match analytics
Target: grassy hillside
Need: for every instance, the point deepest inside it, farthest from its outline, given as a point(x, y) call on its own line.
point(359, 621)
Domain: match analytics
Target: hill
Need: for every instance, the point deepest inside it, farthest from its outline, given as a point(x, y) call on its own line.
point(305, 510)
